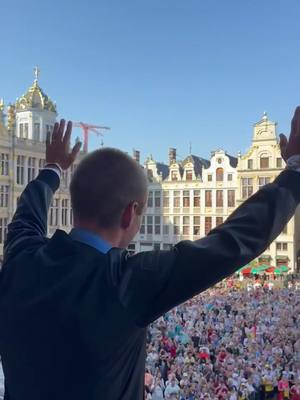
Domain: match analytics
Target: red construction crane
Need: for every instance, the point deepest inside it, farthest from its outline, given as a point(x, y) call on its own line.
point(86, 129)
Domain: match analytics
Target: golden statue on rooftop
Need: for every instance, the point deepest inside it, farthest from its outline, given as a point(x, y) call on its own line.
point(11, 117)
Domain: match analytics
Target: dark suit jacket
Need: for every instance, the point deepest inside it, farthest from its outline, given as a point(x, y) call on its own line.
point(73, 320)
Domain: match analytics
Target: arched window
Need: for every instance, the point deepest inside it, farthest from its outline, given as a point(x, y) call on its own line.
point(219, 174)
point(264, 161)
point(174, 176)
point(189, 175)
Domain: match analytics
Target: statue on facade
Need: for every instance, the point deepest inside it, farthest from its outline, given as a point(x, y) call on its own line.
point(11, 117)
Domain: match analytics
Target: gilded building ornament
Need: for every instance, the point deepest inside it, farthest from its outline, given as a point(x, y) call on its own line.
point(1, 111)
point(35, 98)
point(11, 117)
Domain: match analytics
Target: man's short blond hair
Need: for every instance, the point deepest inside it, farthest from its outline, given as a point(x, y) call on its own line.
point(105, 182)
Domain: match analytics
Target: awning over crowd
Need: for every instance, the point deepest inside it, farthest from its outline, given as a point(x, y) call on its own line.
point(262, 269)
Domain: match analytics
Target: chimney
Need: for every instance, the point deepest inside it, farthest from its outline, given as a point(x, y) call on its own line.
point(136, 156)
point(172, 155)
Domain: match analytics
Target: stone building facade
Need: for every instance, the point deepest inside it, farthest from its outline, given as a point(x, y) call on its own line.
point(187, 198)
point(23, 132)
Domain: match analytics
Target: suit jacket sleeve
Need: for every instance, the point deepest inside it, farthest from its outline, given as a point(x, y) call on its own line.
point(152, 283)
point(29, 223)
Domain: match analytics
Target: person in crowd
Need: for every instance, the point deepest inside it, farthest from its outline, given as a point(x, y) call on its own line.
point(283, 387)
point(295, 390)
point(148, 380)
point(172, 389)
point(158, 390)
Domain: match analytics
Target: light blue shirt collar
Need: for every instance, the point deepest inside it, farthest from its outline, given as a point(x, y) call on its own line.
point(91, 239)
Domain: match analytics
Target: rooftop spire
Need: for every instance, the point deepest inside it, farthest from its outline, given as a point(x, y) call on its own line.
point(35, 97)
point(1, 112)
point(36, 73)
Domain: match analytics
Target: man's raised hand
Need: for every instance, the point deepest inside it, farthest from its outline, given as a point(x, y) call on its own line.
point(58, 146)
point(291, 147)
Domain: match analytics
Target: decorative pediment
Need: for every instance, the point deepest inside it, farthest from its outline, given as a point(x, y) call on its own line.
point(264, 129)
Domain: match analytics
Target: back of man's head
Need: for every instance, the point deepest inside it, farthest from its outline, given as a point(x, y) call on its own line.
point(105, 182)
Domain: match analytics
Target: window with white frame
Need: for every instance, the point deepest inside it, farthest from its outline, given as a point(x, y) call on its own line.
point(157, 225)
point(189, 175)
point(176, 198)
point(149, 224)
point(196, 225)
point(49, 128)
point(166, 198)
point(3, 229)
point(157, 196)
point(36, 131)
point(186, 198)
point(219, 221)
point(142, 228)
point(176, 225)
point(165, 225)
point(219, 198)
point(263, 180)
point(231, 198)
point(186, 224)
point(71, 216)
point(208, 198)
point(21, 130)
point(281, 246)
point(4, 193)
point(31, 169)
point(53, 217)
point(264, 162)
point(150, 199)
point(208, 225)
point(196, 198)
point(20, 170)
point(278, 162)
point(42, 163)
point(219, 175)
point(247, 187)
point(4, 164)
point(64, 212)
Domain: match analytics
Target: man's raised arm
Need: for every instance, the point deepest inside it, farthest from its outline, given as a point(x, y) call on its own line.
point(154, 282)
point(29, 223)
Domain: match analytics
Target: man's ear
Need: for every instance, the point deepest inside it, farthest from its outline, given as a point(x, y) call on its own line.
point(128, 214)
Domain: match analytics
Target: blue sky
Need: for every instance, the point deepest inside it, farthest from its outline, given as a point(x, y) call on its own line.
point(160, 73)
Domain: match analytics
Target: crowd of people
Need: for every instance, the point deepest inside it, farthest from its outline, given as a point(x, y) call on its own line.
point(227, 343)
